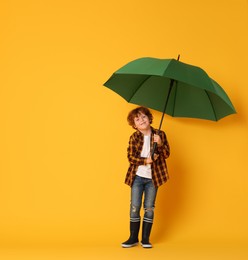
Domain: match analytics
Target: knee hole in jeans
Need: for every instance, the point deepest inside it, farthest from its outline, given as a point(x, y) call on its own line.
point(149, 210)
point(134, 209)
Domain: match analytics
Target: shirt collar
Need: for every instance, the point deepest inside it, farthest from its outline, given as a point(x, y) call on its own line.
point(153, 130)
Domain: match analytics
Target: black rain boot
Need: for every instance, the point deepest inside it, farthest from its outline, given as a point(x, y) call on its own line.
point(146, 231)
point(134, 233)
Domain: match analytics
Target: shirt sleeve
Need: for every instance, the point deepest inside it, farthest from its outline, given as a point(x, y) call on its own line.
point(165, 147)
point(133, 153)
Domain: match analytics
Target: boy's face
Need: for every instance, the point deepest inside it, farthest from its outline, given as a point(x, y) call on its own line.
point(142, 122)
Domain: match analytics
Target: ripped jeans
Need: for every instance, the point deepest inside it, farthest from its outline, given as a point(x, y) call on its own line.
point(142, 186)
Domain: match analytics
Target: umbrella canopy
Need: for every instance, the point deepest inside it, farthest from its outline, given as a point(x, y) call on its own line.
point(172, 87)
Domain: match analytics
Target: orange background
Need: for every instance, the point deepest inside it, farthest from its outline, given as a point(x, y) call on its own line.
point(63, 136)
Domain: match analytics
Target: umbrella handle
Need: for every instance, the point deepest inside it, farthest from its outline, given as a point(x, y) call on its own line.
point(154, 149)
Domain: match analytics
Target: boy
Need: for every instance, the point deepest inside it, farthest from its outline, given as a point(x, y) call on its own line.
point(144, 174)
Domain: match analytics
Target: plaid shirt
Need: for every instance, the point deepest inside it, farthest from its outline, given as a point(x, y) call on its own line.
point(159, 167)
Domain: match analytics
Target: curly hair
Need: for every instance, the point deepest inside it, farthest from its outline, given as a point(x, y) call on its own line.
point(137, 111)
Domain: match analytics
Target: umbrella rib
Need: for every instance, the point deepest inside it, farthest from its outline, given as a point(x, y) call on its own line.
point(139, 87)
point(211, 105)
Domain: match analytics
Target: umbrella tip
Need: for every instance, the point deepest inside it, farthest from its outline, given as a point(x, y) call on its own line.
point(178, 57)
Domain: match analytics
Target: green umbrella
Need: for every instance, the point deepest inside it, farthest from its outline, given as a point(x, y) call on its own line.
point(172, 87)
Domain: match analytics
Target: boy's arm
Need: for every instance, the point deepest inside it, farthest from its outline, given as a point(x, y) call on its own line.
point(164, 148)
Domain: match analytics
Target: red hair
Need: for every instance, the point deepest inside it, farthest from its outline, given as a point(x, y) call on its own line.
point(136, 112)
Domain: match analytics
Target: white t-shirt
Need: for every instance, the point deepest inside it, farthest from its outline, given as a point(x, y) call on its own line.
point(145, 170)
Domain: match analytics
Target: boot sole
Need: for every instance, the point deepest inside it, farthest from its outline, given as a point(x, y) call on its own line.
point(128, 246)
point(146, 245)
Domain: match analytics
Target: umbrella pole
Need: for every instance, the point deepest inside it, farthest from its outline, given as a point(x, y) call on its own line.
point(166, 102)
point(161, 121)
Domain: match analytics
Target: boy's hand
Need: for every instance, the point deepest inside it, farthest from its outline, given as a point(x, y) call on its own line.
point(149, 159)
point(157, 139)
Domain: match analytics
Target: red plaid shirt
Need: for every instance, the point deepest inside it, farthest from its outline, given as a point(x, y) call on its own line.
point(159, 167)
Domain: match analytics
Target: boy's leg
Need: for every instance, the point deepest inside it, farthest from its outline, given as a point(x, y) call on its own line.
point(135, 205)
point(149, 205)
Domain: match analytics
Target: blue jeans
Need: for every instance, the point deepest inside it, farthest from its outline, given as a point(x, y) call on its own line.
point(142, 186)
